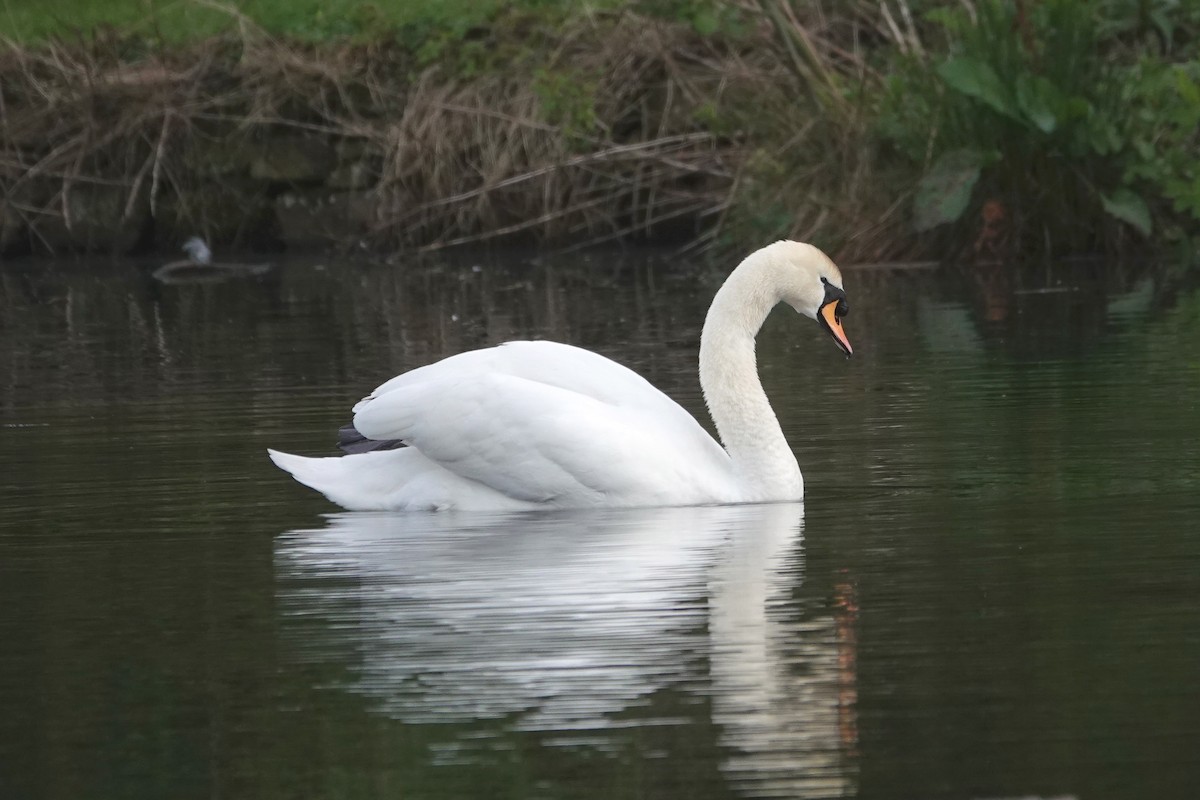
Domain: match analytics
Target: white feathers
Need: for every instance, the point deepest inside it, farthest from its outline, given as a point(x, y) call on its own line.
point(542, 424)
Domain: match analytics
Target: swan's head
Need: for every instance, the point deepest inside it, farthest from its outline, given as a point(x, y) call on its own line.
point(812, 284)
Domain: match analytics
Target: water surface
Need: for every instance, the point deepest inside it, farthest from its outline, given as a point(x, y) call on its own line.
point(990, 591)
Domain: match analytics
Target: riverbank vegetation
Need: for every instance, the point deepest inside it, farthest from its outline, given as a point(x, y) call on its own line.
point(879, 129)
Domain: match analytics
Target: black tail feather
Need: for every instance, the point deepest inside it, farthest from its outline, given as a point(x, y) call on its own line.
point(351, 441)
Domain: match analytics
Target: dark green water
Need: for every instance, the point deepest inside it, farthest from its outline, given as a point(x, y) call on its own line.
point(992, 590)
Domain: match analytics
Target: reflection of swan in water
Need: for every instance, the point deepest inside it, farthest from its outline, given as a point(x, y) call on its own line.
point(783, 687)
point(199, 267)
point(561, 621)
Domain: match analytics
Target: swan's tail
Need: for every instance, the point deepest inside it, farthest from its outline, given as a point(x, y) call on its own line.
point(361, 482)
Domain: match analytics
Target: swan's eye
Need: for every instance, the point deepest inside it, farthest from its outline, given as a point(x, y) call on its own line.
point(824, 280)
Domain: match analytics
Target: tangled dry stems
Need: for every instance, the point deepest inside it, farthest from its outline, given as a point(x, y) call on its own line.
point(456, 160)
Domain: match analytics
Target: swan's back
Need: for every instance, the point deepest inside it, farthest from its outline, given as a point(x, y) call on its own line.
point(563, 366)
point(520, 425)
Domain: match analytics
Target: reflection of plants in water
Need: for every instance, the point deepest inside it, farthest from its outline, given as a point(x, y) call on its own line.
point(1080, 397)
point(1178, 341)
point(78, 333)
point(1073, 119)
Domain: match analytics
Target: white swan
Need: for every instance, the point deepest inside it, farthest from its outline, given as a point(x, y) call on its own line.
point(546, 425)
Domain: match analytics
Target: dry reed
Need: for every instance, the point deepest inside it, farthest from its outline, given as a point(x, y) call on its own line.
point(609, 133)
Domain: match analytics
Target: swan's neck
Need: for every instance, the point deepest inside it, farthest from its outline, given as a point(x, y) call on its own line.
point(749, 430)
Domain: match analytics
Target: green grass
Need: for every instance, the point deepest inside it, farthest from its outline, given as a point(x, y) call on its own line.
point(30, 21)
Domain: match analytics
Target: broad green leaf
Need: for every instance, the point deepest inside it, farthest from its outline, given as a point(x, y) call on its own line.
point(1187, 88)
point(1077, 108)
point(1163, 23)
point(1103, 135)
point(945, 191)
point(979, 80)
point(1128, 206)
point(1036, 97)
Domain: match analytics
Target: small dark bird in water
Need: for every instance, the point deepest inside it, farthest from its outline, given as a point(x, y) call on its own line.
point(199, 267)
point(197, 250)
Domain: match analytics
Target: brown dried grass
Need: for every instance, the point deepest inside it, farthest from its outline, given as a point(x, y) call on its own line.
point(469, 160)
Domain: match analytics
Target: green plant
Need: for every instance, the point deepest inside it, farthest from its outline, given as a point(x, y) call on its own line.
point(1166, 140)
point(1030, 108)
point(568, 100)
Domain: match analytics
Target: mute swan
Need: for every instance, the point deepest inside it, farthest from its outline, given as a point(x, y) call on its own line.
point(545, 425)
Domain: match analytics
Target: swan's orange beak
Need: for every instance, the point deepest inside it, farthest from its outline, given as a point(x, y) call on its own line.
point(832, 323)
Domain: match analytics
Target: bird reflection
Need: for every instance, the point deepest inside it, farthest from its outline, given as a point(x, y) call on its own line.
point(783, 685)
point(563, 621)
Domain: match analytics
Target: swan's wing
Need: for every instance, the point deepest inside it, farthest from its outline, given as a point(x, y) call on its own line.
point(554, 364)
point(563, 366)
point(587, 431)
point(544, 444)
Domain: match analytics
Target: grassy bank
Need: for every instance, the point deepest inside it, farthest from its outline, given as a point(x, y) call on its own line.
point(888, 129)
point(179, 21)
